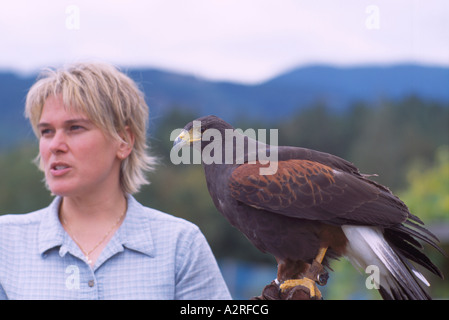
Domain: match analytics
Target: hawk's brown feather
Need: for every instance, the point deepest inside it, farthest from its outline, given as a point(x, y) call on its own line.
point(310, 190)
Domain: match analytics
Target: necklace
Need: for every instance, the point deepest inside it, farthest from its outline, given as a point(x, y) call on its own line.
point(88, 253)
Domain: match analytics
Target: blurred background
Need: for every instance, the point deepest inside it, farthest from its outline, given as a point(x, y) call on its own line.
point(365, 80)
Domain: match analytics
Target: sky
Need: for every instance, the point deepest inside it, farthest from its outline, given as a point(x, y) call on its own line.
point(246, 41)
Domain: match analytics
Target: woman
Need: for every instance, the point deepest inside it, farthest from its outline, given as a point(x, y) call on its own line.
point(95, 241)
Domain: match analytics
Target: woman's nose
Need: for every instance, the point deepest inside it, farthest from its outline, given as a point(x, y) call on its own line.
point(59, 143)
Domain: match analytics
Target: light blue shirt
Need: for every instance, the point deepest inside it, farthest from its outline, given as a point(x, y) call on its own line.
point(152, 255)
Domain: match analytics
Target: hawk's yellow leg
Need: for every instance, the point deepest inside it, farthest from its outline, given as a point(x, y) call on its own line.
point(306, 281)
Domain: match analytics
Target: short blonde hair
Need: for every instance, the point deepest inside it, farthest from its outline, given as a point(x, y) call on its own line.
point(110, 99)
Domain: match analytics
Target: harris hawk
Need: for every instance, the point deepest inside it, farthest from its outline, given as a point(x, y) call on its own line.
point(313, 208)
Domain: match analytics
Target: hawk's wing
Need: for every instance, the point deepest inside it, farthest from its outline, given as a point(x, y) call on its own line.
point(310, 190)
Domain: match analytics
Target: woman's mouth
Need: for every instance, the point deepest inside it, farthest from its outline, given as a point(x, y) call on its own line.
point(58, 170)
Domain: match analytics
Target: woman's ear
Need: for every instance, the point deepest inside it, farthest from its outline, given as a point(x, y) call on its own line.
point(126, 145)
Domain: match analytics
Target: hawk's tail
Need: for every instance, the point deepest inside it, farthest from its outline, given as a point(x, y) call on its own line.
point(389, 251)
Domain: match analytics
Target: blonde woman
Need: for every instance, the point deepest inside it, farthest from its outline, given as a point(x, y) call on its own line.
point(95, 241)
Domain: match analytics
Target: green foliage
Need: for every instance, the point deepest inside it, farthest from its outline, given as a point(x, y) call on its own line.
point(427, 196)
point(21, 186)
point(428, 191)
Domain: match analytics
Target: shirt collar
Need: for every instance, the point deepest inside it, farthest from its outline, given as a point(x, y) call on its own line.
point(51, 232)
point(134, 233)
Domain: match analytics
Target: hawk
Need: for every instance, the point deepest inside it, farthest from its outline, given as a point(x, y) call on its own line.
point(313, 208)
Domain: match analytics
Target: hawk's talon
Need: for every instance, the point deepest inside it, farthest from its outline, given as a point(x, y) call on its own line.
point(304, 282)
point(322, 278)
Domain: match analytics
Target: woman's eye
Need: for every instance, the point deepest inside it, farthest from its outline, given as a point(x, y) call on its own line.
point(75, 128)
point(45, 132)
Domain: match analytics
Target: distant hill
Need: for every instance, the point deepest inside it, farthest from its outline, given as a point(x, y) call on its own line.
point(339, 87)
point(13, 90)
point(282, 95)
point(273, 99)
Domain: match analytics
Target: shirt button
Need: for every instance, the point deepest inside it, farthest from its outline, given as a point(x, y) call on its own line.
point(91, 283)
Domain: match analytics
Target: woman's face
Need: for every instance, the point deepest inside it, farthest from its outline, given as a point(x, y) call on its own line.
point(77, 157)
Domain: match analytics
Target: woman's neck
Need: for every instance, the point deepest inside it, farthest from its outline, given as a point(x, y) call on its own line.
point(100, 206)
point(91, 223)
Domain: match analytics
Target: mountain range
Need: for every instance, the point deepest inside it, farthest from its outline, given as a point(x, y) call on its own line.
point(338, 88)
point(279, 97)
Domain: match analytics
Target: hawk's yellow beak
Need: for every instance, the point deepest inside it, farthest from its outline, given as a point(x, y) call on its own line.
point(187, 137)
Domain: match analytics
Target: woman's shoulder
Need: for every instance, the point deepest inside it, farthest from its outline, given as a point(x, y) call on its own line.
point(161, 220)
point(158, 217)
point(17, 227)
point(18, 219)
